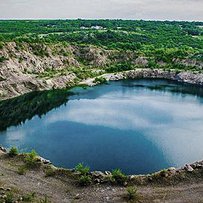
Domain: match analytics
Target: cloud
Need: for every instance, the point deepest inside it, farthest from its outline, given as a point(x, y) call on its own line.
point(126, 9)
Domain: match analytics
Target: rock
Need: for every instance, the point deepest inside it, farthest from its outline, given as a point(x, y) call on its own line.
point(171, 169)
point(4, 196)
point(8, 189)
point(3, 149)
point(77, 196)
point(97, 180)
point(197, 165)
point(44, 161)
point(188, 168)
point(132, 177)
point(107, 173)
point(125, 184)
point(98, 174)
point(150, 179)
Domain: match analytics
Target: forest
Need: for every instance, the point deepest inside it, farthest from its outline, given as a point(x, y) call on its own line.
point(163, 41)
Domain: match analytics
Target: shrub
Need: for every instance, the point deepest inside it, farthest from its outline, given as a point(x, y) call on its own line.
point(85, 180)
point(29, 197)
point(100, 80)
point(13, 152)
point(45, 200)
point(22, 170)
point(31, 159)
point(132, 194)
point(9, 198)
point(118, 176)
point(82, 169)
point(1, 45)
point(2, 59)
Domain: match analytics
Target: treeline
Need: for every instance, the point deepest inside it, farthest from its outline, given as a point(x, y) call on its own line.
point(164, 40)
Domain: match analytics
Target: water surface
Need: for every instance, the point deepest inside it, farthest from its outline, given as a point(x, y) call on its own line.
point(139, 126)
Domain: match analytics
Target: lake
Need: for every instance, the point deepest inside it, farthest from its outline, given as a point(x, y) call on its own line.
point(139, 126)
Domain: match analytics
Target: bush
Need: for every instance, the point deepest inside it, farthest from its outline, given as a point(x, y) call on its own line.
point(9, 198)
point(2, 59)
point(13, 152)
point(132, 194)
point(31, 159)
point(100, 80)
point(85, 180)
point(28, 197)
point(84, 170)
point(118, 176)
point(119, 67)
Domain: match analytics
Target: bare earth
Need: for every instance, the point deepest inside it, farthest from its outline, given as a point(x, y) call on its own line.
point(63, 188)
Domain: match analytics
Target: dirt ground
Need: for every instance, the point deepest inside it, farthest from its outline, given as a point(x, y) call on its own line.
point(62, 189)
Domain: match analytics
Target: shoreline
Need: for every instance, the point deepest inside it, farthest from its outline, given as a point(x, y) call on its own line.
point(142, 179)
point(141, 73)
point(144, 73)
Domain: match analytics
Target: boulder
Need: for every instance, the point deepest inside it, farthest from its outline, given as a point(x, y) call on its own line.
point(188, 168)
point(3, 149)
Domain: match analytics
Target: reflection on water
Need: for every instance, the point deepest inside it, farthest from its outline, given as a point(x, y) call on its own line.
point(139, 126)
point(17, 110)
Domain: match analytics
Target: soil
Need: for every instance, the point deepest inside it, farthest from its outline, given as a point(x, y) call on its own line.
point(64, 188)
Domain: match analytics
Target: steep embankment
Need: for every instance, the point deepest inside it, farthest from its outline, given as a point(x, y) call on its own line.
point(29, 67)
point(33, 67)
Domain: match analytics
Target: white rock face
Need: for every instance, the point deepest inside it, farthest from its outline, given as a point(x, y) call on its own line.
point(23, 70)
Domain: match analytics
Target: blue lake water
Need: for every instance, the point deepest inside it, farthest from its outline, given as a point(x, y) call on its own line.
point(139, 126)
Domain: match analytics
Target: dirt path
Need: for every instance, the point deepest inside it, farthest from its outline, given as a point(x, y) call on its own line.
point(62, 189)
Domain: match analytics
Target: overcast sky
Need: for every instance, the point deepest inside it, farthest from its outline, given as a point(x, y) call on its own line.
point(125, 9)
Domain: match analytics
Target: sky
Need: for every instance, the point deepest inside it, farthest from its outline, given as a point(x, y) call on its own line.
point(190, 10)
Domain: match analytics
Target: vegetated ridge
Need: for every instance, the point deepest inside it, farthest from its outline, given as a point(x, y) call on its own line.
point(42, 55)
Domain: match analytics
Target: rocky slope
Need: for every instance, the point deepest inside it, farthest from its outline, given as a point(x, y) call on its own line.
point(33, 67)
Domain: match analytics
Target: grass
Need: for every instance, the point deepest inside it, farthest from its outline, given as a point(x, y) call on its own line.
point(132, 194)
point(118, 176)
point(13, 152)
point(85, 180)
point(44, 200)
point(22, 170)
point(83, 170)
point(29, 197)
point(31, 160)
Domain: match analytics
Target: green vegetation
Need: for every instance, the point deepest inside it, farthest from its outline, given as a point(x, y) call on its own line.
point(85, 180)
point(2, 59)
point(31, 160)
point(162, 40)
point(18, 110)
point(118, 176)
point(9, 198)
point(29, 197)
point(13, 152)
point(22, 170)
point(100, 80)
point(132, 194)
point(83, 170)
point(50, 172)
